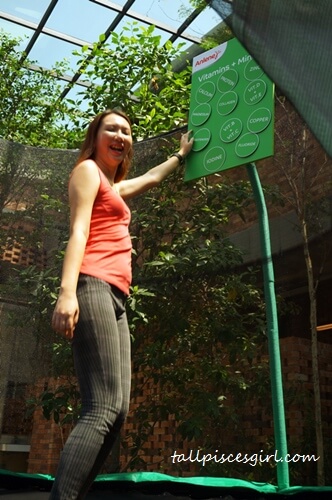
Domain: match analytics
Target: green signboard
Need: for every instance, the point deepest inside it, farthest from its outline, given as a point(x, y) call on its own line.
point(231, 111)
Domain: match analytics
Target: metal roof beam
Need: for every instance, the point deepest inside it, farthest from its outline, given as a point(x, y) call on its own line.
point(45, 31)
point(40, 26)
point(107, 33)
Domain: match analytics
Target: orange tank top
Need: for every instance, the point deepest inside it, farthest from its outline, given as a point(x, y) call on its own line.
point(108, 249)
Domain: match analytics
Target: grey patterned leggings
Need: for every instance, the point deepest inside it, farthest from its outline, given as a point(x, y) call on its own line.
point(101, 348)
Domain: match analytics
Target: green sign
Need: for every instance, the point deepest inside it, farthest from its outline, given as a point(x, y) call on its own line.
point(231, 111)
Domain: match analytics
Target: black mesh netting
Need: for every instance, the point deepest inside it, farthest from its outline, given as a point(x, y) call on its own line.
point(34, 225)
point(33, 182)
point(291, 40)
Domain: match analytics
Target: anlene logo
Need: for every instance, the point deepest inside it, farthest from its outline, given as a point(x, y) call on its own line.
point(208, 58)
point(211, 57)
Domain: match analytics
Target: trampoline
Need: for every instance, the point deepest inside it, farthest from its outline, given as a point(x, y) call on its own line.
point(151, 485)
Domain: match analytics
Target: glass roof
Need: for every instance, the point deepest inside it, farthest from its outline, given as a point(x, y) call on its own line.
point(52, 29)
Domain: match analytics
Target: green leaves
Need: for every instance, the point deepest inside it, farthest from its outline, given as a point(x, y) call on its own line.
point(30, 110)
point(135, 71)
point(61, 404)
point(206, 320)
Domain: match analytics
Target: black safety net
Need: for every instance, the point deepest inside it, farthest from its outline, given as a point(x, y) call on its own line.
point(291, 40)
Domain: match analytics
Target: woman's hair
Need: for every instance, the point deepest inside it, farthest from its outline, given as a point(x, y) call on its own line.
point(88, 147)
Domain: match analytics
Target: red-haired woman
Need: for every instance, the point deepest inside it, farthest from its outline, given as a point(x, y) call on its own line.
point(95, 282)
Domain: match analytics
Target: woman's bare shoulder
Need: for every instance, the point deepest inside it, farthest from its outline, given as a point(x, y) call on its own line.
point(85, 177)
point(88, 165)
point(86, 168)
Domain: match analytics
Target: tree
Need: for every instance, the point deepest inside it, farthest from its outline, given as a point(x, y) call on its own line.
point(30, 114)
point(220, 33)
point(34, 114)
point(306, 172)
point(204, 345)
point(30, 110)
point(134, 71)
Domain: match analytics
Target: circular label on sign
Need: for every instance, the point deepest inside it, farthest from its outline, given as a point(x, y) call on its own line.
point(201, 139)
point(259, 120)
point(228, 80)
point(255, 92)
point(231, 130)
point(227, 103)
point(201, 114)
point(247, 145)
point(214, 159)
point(205, 92)
point(252, 71)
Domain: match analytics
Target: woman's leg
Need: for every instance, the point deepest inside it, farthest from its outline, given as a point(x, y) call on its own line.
point(125, 370)
point(101, 349)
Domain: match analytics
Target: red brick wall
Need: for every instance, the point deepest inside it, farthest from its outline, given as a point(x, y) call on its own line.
point(256, 420)
point(46, 445)
point(47, 438)
point(16, 252)
point(297, 375)
point(156, 452)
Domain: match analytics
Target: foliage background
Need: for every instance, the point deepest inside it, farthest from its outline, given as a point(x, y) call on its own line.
point(196, 312)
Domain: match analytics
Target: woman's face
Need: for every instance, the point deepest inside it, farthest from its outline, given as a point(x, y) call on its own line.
point(114, 140)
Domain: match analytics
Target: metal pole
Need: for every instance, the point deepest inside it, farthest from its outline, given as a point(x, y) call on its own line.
point(273, 332)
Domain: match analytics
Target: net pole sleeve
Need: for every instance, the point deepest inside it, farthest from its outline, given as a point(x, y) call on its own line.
point(272, 331)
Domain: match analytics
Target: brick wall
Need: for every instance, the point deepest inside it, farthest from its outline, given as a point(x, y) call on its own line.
point(47, 437)
point(256, 421)
point(46, 445)
point(297, 375)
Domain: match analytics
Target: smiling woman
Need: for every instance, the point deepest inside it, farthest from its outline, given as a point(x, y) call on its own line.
point(109, 132)
point(115, 141)
point(94, 287)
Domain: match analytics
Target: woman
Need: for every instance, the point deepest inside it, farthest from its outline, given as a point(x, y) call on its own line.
point(95, 282)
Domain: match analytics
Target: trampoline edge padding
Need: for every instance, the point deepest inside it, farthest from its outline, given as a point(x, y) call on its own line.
point(159, 481)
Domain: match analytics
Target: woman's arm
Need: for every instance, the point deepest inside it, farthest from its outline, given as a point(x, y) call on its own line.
point(83, 188)
point(153, 177)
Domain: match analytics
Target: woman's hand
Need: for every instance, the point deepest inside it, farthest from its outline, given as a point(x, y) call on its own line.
point(186, 143)
point(65, 315)
point(128, 188)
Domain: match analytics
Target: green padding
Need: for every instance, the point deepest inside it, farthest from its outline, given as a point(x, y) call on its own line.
point(24, 475)
point(155, 478)
point(207, 482)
